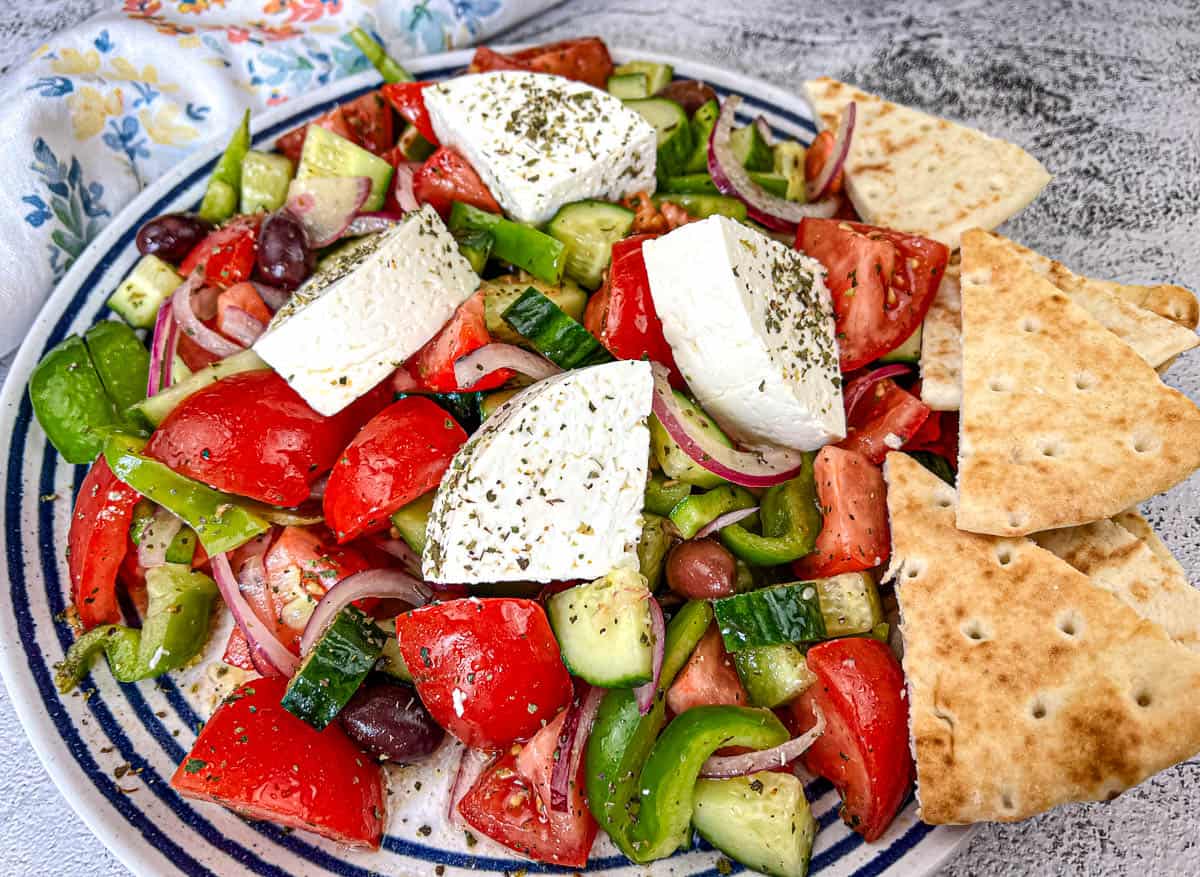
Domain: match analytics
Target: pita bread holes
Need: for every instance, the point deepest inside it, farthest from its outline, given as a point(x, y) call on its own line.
point(1070, 624)
point(976, 630)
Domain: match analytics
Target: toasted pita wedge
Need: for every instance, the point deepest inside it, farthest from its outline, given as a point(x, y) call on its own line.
point(914, 172)
point(1132, 520)
point(1029, 686)
point(1173, 303)
point(941, 346)
point(1120, 562)
point(1062, 422)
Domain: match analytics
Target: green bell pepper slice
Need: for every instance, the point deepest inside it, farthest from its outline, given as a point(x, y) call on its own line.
point(123, 363)
point(791, 520)
point(524, 246)
point(693, 512)
point(70, 403)
point(388, 68)
point(663, 494)
point(222, 522)
point(179, 607)
point(225, 185)
point(657, 539)
point(622, 737)
point(669, 778)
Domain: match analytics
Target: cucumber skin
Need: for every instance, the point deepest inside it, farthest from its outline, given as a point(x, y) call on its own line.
point(411, 520)
point(555, 335)
point(674, 141)
point(337, 665)
point(770, 616)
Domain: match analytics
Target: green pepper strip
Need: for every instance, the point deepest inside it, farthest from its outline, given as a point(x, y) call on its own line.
point(123, 364)
point(652, 548)
point(622, 737)
point(663, 494)
point(70, 403)
point(224, 186)
point(669, 778)
point(692, 513)
point(388, 68)
point(222, 522)
point(174, 630)
point(791, 521)
point(183, 545)
point(538, 253)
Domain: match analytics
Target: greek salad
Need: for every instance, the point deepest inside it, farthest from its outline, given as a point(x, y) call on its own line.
point(541, 409)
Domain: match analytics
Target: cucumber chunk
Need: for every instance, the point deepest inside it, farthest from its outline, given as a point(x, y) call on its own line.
point(702, 184)
point(491, 401)
point(657, 539)
point(629, 86)
point(411, 519)
point(703, 121)
point(265, 180)
point(414, 146)
point(674, 133)
point(588, 229)
point(773, 675)
point(789, 164)
point(704, 206)
point(552, 333)
point(337, 665)
point(675, 464)
point(909, 351)
point(658, 76)
point(850, 603)
point(500, 292)
point(325, 154)
point(390, 660)
point(788, 613)
point(142, 293)
point(751, 150)
point(157, 407)
point(663, 494)
point(603, 629)
point(762, 821)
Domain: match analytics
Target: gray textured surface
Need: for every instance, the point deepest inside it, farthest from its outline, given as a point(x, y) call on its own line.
point(1105, 93)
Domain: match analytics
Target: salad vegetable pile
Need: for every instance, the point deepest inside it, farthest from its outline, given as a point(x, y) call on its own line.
point(543, 408)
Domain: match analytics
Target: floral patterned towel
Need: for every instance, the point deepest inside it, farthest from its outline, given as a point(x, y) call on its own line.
point(108, 106)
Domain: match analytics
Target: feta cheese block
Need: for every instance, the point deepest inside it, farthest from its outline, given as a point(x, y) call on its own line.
point(362, 314)
point(551, 486)
point(750, 323)
point(541, 141)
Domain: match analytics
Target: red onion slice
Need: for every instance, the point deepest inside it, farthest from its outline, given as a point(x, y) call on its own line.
point(722, 767)
point(241, 326)
point(272, 296)
point(819, 187)
point(764, 130)
point(390, 583)
point(162, 350)
point(761, 468)
point(156, 538)
point(326, 206)
point(471, 763)
point(400, 550)
point(369, 223)
point(572, 742)
point(857, 389)
point(658, 629)
point(731, 178)
point(724, 521)
point(478, 364)
point(189, 322)
point(267, 652)
point(402, 186)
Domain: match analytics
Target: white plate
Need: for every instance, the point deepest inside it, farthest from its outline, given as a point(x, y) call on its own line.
point(150, 725)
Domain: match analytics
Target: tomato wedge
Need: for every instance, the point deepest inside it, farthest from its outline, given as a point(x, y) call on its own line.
point(445, 177)
point(97, 542)
point(488, 671)
point(260, 761)
point(227, 255)
point(509, 804)
point(291, 144)
point(708, 679)
point(245, 297)
point(938, 435)
point(815, 157)
point(585, 59)
point(883, 420)
point(864, 750)
point(366, 121)
point(622, 313)
point(399, 455)
point(408, 99)
point(431, 368)
point(251, 434)
point(854, 528)
point(882, 283)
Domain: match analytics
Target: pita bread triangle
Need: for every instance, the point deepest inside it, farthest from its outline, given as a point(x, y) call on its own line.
point(1132, 520)
point(1062, 423)
point(914, 172)
point(1028, 686)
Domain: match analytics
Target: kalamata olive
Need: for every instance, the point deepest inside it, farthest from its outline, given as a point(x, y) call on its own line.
point(701, 570)
point(284, 257)
point(388, 720)
point(691, 94)
point(172, 236)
